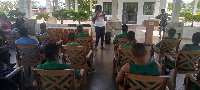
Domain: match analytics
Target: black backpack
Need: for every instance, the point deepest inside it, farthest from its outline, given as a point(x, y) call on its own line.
point(108, 38)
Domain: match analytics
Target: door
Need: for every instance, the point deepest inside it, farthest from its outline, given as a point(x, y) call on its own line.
point(130, 13)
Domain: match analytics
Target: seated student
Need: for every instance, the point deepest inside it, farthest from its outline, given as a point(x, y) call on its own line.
point(140, 66)
point(15, 31)
point(25, 39)
point(124, 33)
point(130, 40)
point(72, 38)
point(171, 34)
point(80, 31)
point(51, 52)
point(195, 41)
point(43, 30)
point(8, 84)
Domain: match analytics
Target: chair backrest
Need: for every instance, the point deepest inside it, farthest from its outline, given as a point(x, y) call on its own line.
point(144, 82)
point(55, 79)
point(28, 54)
point(74, 55)
point(188, 60)
point(86, 42)
point(169, 46)
point(125, 56)
point(121, 41)
point(46, 39)
point(10, 40)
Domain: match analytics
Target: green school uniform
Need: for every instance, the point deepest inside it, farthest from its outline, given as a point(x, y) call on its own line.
point(128, 46)
point(82, 35)
point(123, 35)
point(73, 44)
point(170, 38)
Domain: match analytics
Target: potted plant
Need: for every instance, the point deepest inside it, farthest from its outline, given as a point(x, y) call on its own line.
point(13, 14)
point(80, 16)
point(61, 14)
point(45, 16)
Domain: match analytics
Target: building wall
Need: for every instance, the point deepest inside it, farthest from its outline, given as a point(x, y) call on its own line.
point(140, 16)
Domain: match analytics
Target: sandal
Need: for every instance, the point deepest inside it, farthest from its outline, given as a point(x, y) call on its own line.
point(95, 49)
point(102, 48)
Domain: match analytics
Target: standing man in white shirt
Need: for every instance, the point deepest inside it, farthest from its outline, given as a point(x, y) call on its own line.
point(99, 23)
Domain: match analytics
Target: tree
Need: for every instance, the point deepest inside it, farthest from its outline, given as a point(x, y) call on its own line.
point(13, 14)
point(83, 4)
point(80, 16)
point(42, 15)
point(61, 14)
point(170, 6)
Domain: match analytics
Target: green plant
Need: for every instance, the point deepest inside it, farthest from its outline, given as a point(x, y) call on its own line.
point(1, 13)
point(80, 16)
point(42, 15)
point(13, 14)
point(61, 14)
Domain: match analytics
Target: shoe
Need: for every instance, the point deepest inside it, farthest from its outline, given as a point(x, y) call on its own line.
point(93, 70)
point(95, 49)
point(102, 48)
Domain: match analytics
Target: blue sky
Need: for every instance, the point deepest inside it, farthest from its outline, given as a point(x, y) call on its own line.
point(43, 2)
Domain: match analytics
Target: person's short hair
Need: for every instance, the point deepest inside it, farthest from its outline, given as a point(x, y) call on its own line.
point(162, 10)
point(23, 31)
point(131, 35)
point(98, 7)
point(196, 37)
point(71, 36)
point(43, 26)
point(124, 28)
point(7, 84)
point(172, 32)
point(139, 50)
point(80, 28)
point(50, 50)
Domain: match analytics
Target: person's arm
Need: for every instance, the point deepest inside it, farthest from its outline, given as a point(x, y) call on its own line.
point(121, 74)
point(157, 17)
point(159, 67)
point(95, 16)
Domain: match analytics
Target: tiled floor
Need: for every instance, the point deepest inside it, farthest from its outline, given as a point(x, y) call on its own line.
point(102, 78)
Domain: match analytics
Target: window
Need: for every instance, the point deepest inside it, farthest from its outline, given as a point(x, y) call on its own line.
point(107, 8)
point(148, 8)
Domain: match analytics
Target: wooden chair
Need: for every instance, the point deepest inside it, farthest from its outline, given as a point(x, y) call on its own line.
point(56, 79)
point(28, 55)
point(144, 82)
point(190, 79)
point(46, 39)
point(21, 77)
point(10, 40)
point(187, 61)
point(119, 41)
point(167, 46)
point(76, 57)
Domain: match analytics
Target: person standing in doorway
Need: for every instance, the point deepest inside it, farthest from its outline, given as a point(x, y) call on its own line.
point(99, 23)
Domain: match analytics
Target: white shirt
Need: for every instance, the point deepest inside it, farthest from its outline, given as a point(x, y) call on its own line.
point(99, 22)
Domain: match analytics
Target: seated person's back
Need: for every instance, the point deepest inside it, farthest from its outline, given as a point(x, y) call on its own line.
point(130, 40)
point(123, 35)
point(140, 66)
point(81, 33)
point(25, 39)
point(195, 41)
point(171, 34)
point(43, 30)
point(72, 38)
point(51, 52)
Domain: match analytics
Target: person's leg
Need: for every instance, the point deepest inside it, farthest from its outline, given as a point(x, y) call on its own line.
point(97, 35)
point(102, 35)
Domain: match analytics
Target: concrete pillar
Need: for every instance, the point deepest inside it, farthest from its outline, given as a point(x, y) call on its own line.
point(194, 11)
point(76, 5)
point(90, 5)
point(176, 10)
point(48, 6)
point(29, 9)
point(157, 8)
point(56, 4)
point(21, 6)
point(163, 4)
point(114, 10)
point(67, 4)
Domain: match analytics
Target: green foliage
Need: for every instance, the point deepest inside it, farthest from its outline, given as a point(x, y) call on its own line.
point(183, 13)
point(83, 4)
point(170, 6)
point(61, 14)
point(7, 5)
point(81, 15)
point(42, 15)
point(13, 14)
point(1, 13)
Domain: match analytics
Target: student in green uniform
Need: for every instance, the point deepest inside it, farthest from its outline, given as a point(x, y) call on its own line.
point(124, 33)
point(195, 41)
point(72, 38)
point(171, 34)
point(130, 40)
point(80, 31)
point(140, 66)
point(51, 52)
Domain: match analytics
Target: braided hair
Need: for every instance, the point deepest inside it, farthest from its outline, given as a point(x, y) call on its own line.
point(98, 7)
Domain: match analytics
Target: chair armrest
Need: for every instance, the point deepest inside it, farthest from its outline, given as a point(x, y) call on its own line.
point(14, 72)
point(192, 79)
point(89, 54)
point(82, 72)
point(169, 56)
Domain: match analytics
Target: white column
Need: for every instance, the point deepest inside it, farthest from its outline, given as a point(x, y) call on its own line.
point(194, 11)
point(48, 6)
point(76, 5)
point(157, 8)
point(90, 5)
point(21, 6)
point(176, 10)
point(56, 4)
point(67, 4)
point(114, 10)
point(29, 9)
point(163, 4)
